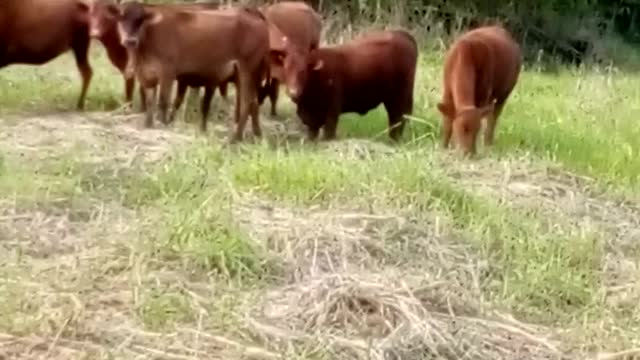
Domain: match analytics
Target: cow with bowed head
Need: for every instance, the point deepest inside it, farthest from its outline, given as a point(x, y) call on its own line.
point(201, 47)
point(34, 32)
point(480, 72)
point(301, 25)
point(357, 76)
point(103, 18)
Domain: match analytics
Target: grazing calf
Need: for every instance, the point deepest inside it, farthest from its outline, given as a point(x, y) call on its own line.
point(481, 69)
point(35, 32)
point(376, 68)
point(301, 25)
point(103, 21)
point(202, 48)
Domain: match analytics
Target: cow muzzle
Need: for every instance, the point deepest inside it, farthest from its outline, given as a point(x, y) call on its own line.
point(131, 42)
point(293, 93)
point(95, 33)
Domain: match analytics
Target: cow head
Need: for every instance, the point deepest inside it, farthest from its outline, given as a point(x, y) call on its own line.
point(466, 123)
point(132, 22)
point(103, 17)
point(296, 65)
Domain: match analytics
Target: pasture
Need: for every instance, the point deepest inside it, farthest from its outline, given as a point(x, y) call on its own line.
point(123, 242)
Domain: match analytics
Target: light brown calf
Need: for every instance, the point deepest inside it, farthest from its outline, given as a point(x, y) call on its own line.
point(203, 48)
point(103, 20)
point(481, 69)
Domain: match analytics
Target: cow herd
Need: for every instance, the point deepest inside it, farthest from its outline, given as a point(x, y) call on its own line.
point(258, 49)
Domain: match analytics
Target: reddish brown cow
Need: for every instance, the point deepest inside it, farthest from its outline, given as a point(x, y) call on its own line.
point(480, 72)
point(376, 68)
point(301, 25)
point(202, 48)
point(35, 32)
point(103, 20)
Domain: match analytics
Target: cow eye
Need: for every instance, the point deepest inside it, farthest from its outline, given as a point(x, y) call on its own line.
point(113, 11)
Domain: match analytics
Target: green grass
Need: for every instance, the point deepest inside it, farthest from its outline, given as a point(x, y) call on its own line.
point(183, 208)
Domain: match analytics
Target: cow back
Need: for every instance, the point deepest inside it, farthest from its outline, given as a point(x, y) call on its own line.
point(35, 31)
point(490, 57)
point(196, 39)
point(366, 71)
point(298, 21)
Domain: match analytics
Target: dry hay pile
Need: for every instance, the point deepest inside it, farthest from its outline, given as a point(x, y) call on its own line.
point(349, 293)
point(373, 317)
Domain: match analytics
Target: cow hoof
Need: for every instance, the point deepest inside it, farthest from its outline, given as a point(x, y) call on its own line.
point(234, 140)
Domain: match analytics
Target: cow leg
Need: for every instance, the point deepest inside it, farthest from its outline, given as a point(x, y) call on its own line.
point(255, 106)
point(269, 90)
point(129, 85)
point(163, 99)
point(396, 121)
point(396, 126)
point(81, 54)
point(491, 123)
point(255, 119)
point(274, 88)
point(143, 98)
point(243, 102)
point(205, 106)
point(312, 133)
point(149, 99)
point(329, 130)
point(177, 102)
point(447, 131)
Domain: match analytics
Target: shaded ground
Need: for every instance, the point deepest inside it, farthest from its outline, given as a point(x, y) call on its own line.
point(84, 276)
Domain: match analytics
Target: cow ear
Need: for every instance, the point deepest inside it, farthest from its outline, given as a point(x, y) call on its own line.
point(113, 10)
point(276, 56)
point(446, 109)
point(82, 6)
point(486, 110)
point(152, 17)
point(479, 112)
point(318, 64)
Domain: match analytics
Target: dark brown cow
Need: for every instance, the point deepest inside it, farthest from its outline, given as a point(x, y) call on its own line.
point(202, 48)
point(376, 68)
point(103, 21)
point(301, 25)
point(480, 72)
point(35, 32)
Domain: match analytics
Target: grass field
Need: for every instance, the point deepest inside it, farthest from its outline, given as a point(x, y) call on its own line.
point(119, 242)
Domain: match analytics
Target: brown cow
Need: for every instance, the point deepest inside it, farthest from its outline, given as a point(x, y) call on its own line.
point(480, 71)
point(376, 68)
point(35, 32)
point(301, 25)
point(103, 20)
point(203, 48)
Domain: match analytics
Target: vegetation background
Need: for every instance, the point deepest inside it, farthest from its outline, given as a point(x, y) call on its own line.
point(119, 242)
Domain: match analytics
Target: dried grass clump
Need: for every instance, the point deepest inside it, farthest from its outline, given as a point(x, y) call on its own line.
point(368, 317)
